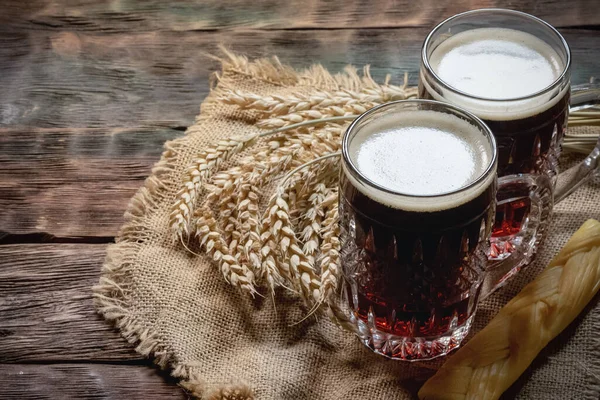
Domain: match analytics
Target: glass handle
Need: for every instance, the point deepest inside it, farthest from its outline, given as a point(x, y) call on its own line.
point(583, 97)
point(508, 254)
point(525, 201)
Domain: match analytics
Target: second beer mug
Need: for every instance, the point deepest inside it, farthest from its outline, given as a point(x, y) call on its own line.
point(512, 70)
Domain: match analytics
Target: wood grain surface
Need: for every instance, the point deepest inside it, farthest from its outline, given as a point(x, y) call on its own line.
point(46, 307)
point(69, 182)
point(208, 15)
point(86, 381)
point(89, 92)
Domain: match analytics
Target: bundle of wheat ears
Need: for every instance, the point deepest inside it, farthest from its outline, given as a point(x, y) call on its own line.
point(292, 241)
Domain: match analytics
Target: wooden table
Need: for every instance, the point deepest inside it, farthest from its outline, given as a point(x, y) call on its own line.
point(90, 90)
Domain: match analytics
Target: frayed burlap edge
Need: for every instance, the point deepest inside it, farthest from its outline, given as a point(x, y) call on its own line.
point(112, 294)
point(592, 391)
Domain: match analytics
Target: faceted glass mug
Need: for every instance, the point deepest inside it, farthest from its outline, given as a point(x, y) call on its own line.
point(527, 115)
point(413, 265)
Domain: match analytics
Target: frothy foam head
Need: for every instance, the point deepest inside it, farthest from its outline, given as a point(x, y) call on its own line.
point(420, 153)
point(497, 64)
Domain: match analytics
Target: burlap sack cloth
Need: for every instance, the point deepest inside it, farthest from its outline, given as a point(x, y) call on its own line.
point(222, 344)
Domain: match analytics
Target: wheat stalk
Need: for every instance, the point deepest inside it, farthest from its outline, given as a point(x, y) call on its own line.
point(259, 252)
point(582, 143)
point(290, 256)
point(313, 219)
point(275, 274)
point(330, 249)
point(345, 100)
point(207, 162)
point(200, 169)
point(295, 263)
point(248, 223)
point(212, 241)
point(309, 123)
point(588, 116)
point(311, 190)
point(317, 117)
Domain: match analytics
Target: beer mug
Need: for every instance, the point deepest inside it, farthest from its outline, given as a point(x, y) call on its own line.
point(512, 70)
point(418, 188)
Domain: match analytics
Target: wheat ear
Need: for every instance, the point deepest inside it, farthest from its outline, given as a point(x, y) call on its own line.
point(312, 221)
point(225, 183)
point(275, 273)
point(212, 241)
point(290, 255)
point(275, 157)
point(311, 191)
point(344, 100)
point(318, 117)
point(201, 168)
point(245, 207)
point(197, 173)
point(299, 148)
point(200, 171)
point(330, 249)
point(248, 223)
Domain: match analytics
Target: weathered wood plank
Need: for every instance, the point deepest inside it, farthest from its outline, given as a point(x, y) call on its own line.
point(46, 307)
point(69, 182)
point(86, 80)
point(119, 16)
point(64, 79)
point(86, 381)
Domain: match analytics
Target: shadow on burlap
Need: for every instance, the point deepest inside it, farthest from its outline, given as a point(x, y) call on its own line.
point(178, 310)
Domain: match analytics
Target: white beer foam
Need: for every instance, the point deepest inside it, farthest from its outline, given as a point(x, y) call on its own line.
point(421, 153)
point(497, 64)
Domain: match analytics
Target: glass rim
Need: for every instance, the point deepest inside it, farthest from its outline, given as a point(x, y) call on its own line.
point(557, 82)
point(486, 131)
